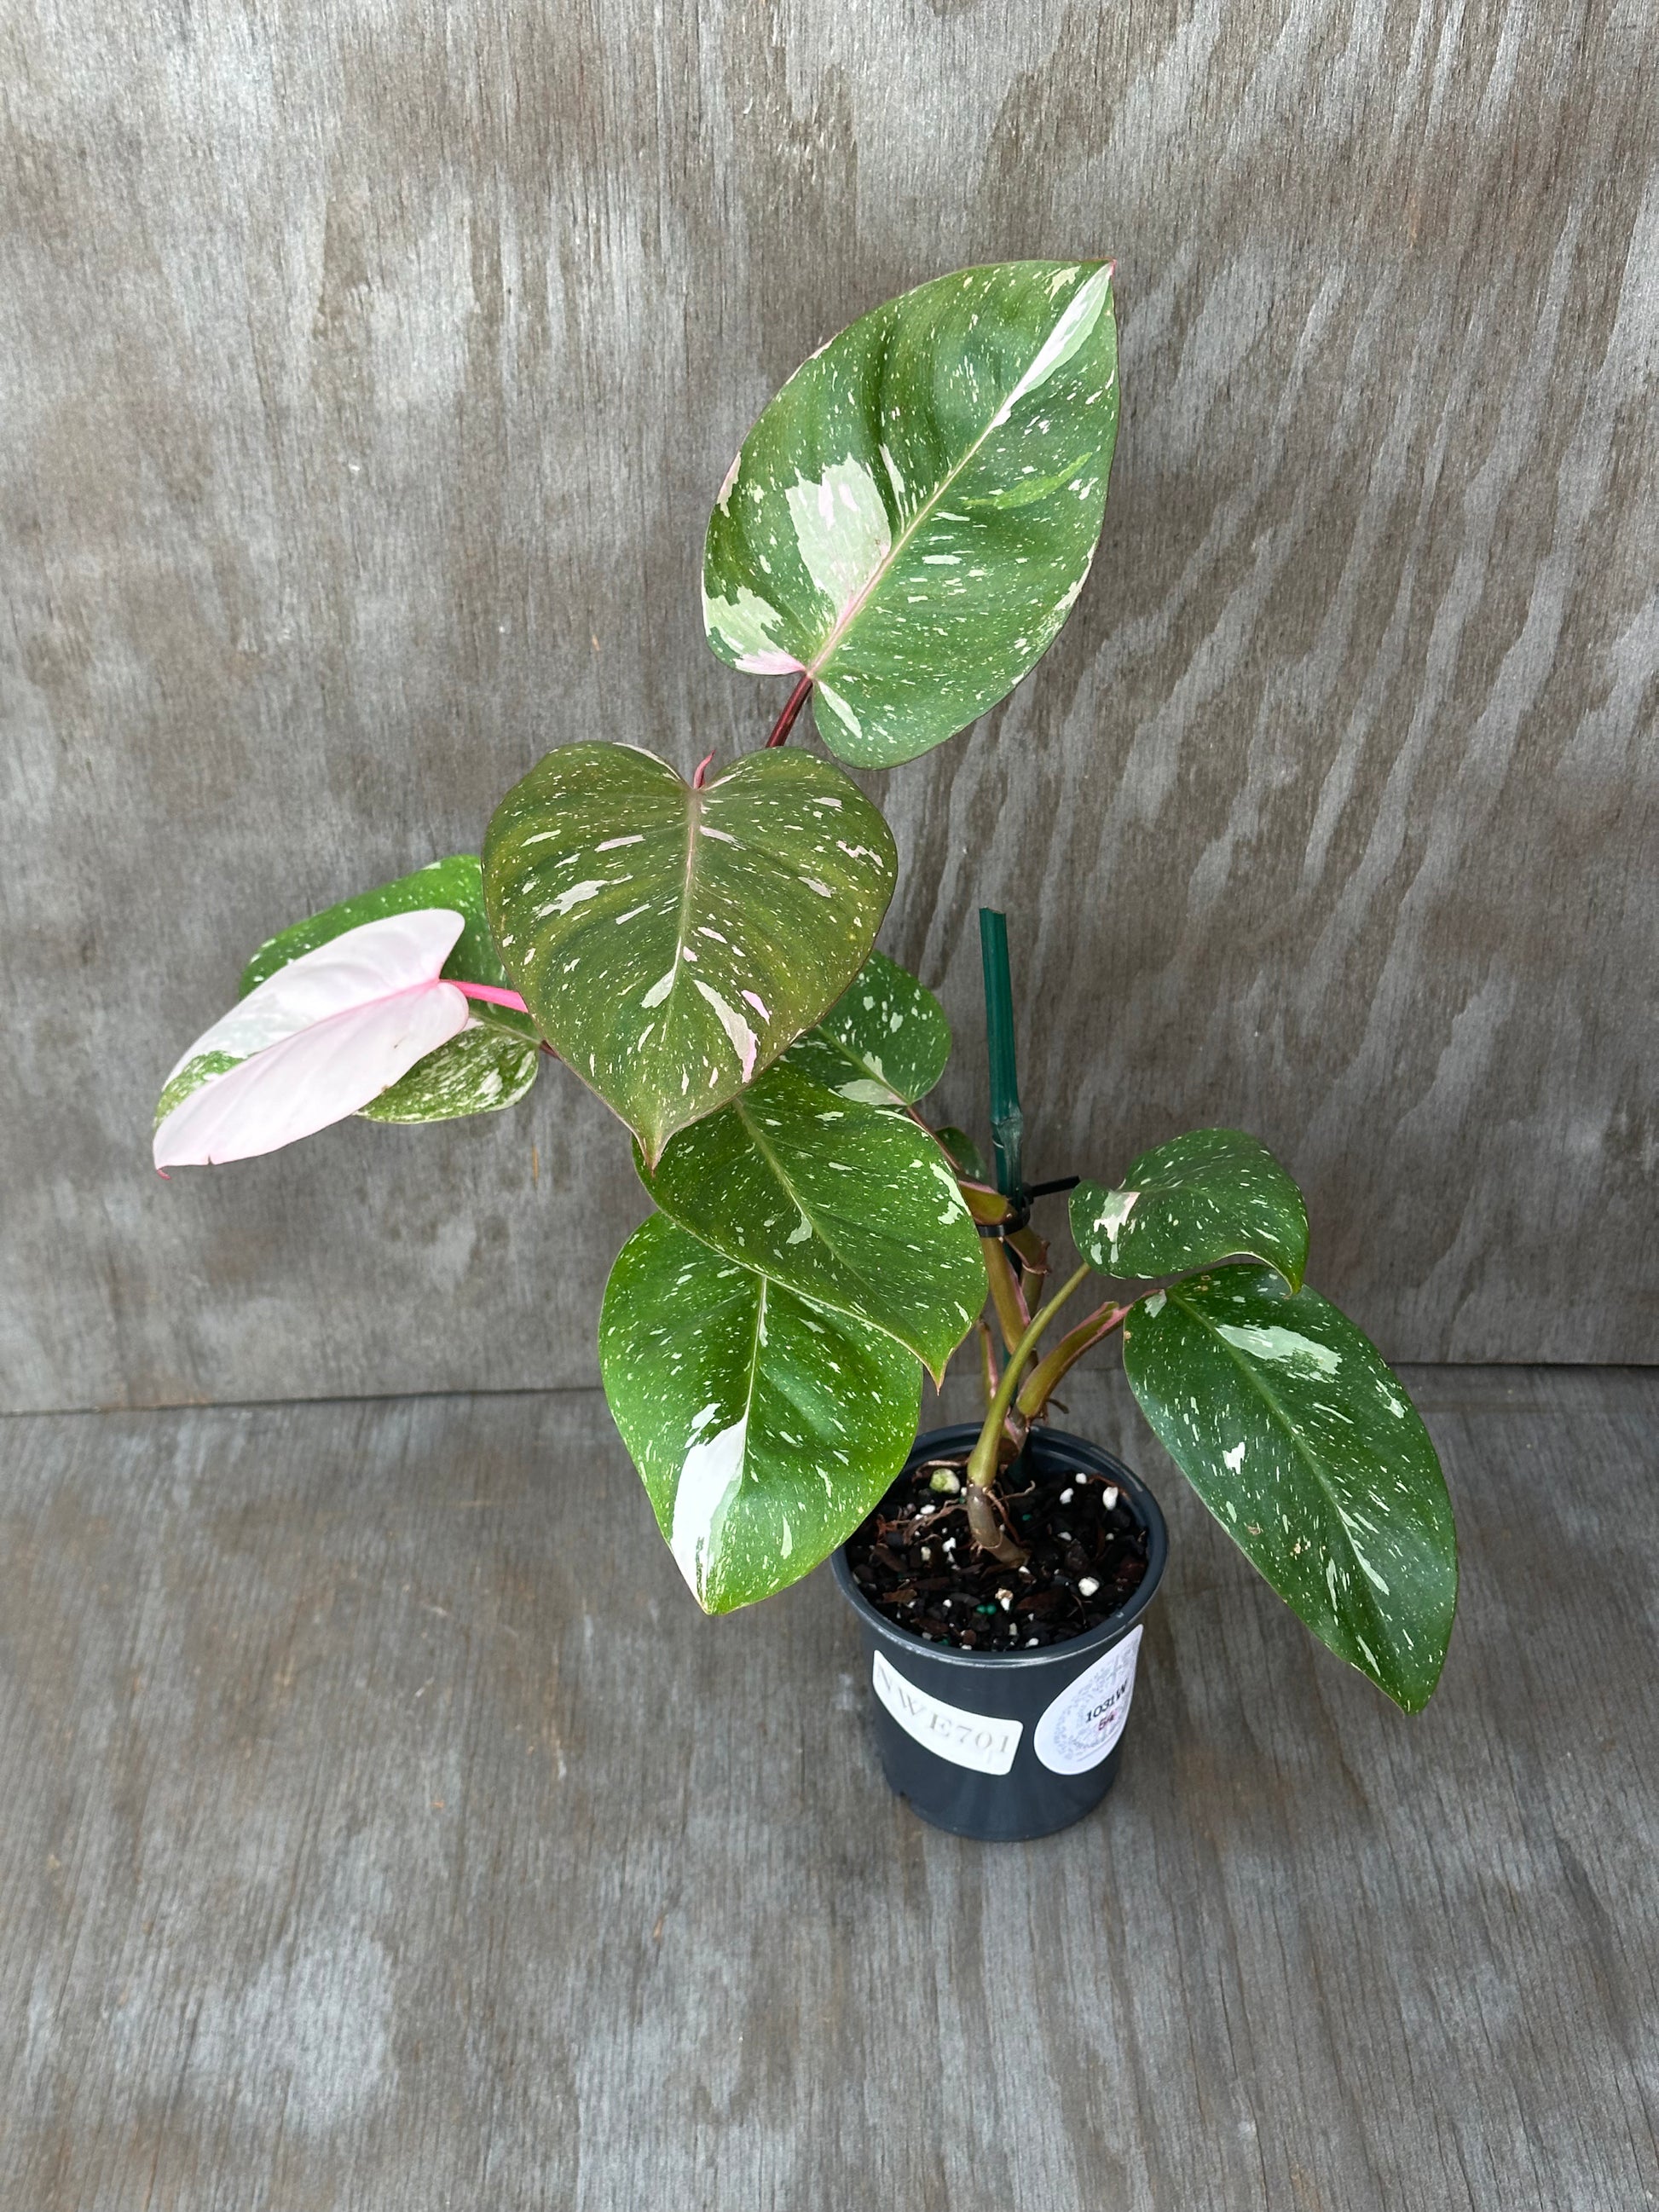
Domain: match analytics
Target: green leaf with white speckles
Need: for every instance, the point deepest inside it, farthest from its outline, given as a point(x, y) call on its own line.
point(479, 1072)
point(846, 1203)
point(884, 1042)
point(765, 1427)
point(1198, 1199)
point(1305, 1446)
point(913, 516)
point(671, 941)
point(493, 1062)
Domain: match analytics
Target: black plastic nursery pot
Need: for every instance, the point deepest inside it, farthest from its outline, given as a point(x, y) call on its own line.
point(1003, 1746)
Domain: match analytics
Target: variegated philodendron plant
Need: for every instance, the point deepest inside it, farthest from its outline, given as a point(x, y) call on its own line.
point(904, 531)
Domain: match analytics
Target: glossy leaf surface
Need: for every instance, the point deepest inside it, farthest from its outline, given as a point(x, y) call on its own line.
point(847, 1204)
point(913, 516)
point(1198, 1199)
point(1306, 1449)
point(493, 1062)
point(765, 1427)
point(672, 942)
point(883, 1042)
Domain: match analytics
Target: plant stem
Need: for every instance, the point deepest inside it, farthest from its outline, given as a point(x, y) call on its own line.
point(493, 994)
point(987, 1363)
point(1050, 1371)
point(786, 721)
point(982, 1461)
point(928, 1131)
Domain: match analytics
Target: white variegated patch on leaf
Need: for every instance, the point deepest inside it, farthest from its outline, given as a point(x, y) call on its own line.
point(883, 1042)
point(912, 518)
point(672, 941)
point(765, 1426)
point(318, 1039)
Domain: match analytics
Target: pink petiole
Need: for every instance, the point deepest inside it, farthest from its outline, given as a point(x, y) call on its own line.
point(493, 992)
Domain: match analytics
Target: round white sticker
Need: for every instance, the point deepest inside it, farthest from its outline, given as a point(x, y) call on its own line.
point(1086, 1719)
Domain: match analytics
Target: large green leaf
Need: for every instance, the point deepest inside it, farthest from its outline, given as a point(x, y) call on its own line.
point(765, 1427)
point(913, 516)
point(672, 941)
point(1306, 1449)
point(884, 1042)
point(1198, 1199)
point(494, 1061)
point(847, 1204)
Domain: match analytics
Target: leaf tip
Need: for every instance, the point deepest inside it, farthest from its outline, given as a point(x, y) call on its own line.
point(1411, 1701)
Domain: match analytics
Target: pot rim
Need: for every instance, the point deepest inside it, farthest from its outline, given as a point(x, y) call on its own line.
point(935, 1442)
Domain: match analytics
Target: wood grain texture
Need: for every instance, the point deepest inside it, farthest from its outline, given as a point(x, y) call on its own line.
point(364, 1849)
point(370, 370)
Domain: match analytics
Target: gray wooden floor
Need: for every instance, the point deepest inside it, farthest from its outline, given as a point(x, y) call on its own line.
point(363, 1845)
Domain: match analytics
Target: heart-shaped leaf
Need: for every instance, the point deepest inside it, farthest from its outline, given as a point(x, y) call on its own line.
point(1198, 1199)
point(1306, 1449)
point(672, 941)
point(884, 1042)
point(765, 1427)
point(493, 1062)
point(316, 1040)
point(913, 516)
point(851, 1205)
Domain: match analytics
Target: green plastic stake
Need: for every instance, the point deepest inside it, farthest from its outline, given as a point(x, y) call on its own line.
point(1008, 1122)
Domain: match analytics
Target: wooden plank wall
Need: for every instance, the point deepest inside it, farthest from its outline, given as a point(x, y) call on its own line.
point(368, 370)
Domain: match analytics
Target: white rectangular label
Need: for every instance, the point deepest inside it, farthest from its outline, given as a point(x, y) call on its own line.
point(965, 1739)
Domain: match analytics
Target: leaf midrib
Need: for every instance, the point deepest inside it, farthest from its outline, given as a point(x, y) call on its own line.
point(782, 1174)
point(856, 1060)
point(693, 823)
point(757, 1337)
point(813, 1219)
point(756, 1328)
point(855, 605)
point(1271, 1401)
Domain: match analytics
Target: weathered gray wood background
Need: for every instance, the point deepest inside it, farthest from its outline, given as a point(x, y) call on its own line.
point(367, 1848)
point(369, 368)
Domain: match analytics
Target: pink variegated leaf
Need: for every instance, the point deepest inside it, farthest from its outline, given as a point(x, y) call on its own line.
point(317, 1040)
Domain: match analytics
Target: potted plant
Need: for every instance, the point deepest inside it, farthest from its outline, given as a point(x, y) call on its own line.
point(902, 534)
